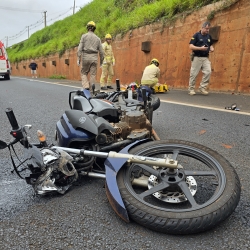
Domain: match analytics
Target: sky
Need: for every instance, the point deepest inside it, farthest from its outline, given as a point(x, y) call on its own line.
point(19, 19)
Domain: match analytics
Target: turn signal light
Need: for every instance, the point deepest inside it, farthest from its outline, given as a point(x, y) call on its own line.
point(41, 136)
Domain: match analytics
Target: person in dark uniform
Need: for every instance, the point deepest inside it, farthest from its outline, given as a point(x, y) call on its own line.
point(201, 44)
point(33, 66)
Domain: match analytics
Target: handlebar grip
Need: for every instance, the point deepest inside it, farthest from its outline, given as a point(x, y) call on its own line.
point(12, 119)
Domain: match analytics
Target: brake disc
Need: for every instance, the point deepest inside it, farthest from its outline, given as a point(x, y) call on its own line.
point(172, 196)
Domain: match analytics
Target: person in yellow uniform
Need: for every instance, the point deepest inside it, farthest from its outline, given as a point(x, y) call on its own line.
point(151, 74)
point(108, 63)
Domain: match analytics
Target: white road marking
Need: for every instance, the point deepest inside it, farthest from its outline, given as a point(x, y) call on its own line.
point(37, 80)
point(207, 107)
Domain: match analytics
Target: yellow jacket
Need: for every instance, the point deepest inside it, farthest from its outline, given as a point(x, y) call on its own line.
point(108, 53)
point(150, 75)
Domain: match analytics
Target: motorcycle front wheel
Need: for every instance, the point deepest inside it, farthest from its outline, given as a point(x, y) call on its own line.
point(192, 199)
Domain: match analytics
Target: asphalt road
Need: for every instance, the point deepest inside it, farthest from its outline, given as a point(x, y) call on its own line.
point(83, 218)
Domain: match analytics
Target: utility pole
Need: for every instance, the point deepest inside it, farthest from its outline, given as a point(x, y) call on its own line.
point(6, 41)
point(45, 24)
point(28, 31)
point(74, 7)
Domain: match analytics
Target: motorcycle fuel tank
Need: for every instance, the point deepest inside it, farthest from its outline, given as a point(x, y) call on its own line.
point(66, 133)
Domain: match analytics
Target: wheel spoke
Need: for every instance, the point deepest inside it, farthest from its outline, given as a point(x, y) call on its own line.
point(184, 187)
point(149, 169)
point(200, 173)
point(155, 189)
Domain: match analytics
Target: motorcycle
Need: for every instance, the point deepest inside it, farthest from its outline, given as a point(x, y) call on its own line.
point(170, 186)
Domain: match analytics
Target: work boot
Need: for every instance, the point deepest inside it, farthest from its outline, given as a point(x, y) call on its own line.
point(203, 91)
point(109, 87)
point(104, 88)
point(192, 92)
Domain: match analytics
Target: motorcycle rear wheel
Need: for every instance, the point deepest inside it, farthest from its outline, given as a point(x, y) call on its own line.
point(155, 102)
point(191, 200)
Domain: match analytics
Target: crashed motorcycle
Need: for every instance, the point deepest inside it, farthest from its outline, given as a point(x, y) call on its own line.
point(170, 186)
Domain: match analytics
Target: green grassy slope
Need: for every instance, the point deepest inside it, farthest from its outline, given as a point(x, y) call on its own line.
point(110, 16)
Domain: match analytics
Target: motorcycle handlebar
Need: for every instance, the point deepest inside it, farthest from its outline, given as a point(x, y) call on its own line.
point(12, 119)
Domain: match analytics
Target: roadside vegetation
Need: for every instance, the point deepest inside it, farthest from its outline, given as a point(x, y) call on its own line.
point(57, 77)
point(111, 16)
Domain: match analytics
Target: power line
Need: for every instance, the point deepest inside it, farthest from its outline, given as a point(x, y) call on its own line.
point(35, 25)
point(22, 31)
point(38, 23)
point(52, 19)
point(59, 11)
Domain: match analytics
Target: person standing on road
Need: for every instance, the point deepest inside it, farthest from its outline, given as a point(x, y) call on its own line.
point(89, 47)
point(151, 74)
point(33, 66)
point(201, 45)
point(108, 63)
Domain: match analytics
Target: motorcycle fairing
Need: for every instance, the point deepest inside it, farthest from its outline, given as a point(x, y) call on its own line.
point(66, 133)
point(91, 123)
point(81, 103)
point(102, 124)
point(112, 167)
point(99, 107)
point(70, 129)
point(103, 108)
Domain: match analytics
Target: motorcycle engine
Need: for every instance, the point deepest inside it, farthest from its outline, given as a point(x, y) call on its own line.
point(133, 125)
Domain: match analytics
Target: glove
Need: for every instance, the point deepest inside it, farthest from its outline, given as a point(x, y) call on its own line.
point(78, 62)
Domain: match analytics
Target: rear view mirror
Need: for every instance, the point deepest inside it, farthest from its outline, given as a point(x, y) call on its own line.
point(3, 144)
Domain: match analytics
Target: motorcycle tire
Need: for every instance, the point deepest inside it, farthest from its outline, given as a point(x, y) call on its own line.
point(155, 102)
point(190, 200)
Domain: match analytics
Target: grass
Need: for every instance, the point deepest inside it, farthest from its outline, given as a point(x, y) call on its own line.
point(57, 77)
point(111, 16)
